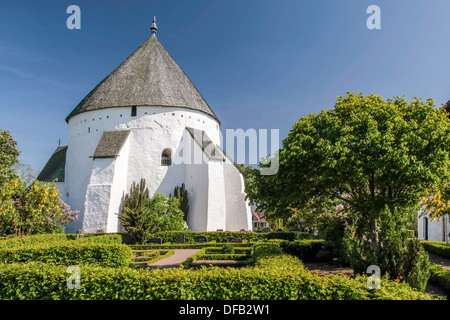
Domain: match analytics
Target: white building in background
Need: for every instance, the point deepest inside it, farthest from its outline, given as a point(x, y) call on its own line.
point(147, 120)
point(436, 230)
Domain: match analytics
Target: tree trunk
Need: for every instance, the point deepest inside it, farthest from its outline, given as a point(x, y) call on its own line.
point(374, 234)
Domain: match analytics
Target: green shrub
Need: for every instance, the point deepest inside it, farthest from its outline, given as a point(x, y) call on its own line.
point(440, 248)
point(228, 248)
point(238, 250)
point(186, 246)
point(70, 253)
point(18, 241)
point(391, 248)
point(307, 250)
point(104, 238)
point(266, 249)
point(223, 256)
point(188, 262)
point(289, 236)
point(275, 278)
point(221, 236)
point(440, 276)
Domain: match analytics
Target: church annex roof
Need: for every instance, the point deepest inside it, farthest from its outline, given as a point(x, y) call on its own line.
point(211, 150)
point(205, 143)
point(111, 143)
point(148, 77)
point(55, 167)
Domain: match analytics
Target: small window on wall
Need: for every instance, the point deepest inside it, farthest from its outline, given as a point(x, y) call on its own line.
point(133, 111)
point(166, 157)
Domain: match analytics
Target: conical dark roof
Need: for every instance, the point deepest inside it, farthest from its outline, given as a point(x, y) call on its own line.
point(148, 77)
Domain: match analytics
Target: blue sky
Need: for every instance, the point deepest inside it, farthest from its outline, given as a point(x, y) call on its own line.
point(259, 64)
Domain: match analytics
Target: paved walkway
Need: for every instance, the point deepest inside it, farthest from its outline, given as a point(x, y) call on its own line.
point(441, 261)
point(175, 260)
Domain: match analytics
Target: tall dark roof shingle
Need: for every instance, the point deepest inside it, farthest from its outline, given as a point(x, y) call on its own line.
point(55, 167)
point(148, 77)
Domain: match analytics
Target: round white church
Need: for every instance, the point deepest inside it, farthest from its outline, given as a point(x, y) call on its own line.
point(146, 120)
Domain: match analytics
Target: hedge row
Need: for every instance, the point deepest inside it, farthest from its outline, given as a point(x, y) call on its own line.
point(307, 250)
point(440, 276)
point(185, 246)
point(238, 250)
point(274, 278)
point(104, 238)
point(223, 256)
point(439, 248)
point(18, 241)
point(221, 236)
point(70, 253)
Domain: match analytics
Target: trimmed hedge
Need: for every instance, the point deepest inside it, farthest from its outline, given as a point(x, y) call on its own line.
point(439, 248)
point(275, 278)
point(219, 250)
point(440, 276)
point(185, 246)
point(221, 236)
point(104, 238)
point(307, 250)
point(70, 253)
point(18, 241)
point(223, 256)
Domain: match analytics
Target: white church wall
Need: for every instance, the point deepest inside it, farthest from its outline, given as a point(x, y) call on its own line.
point(153, 129)
point(217, 206)
point(239, 214)
point(82, 145)
point(119, 187)
point(197, 184)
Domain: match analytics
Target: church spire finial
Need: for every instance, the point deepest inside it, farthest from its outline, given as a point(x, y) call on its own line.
point(154, 28)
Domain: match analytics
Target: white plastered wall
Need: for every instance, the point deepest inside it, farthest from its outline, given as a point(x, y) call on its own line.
point(153, 129)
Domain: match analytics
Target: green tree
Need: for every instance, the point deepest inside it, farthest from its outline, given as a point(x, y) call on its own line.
point(366, 152)
point(370, 154)
point(26, 172)
point(8, 156)
point(132, 215)
point(182, 195)
point(142, 216)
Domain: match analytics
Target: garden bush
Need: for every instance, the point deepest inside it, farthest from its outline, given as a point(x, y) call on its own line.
point(274, 278)
point(18, 241)
point(395, 251)
point(221, 236)
point(223, 256)
point(186, 246)
point(440, 276)
point(228, 248)
point(440, 248)
point(307, 250)
point(70, 253)
point(104, 238)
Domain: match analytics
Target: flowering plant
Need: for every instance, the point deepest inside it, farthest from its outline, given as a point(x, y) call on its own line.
point(34, 209)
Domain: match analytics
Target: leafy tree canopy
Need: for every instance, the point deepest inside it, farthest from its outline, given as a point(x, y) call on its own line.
point(367, 152)
point(8, 156)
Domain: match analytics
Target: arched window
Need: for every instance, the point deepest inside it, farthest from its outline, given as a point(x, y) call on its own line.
point(166, 157)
